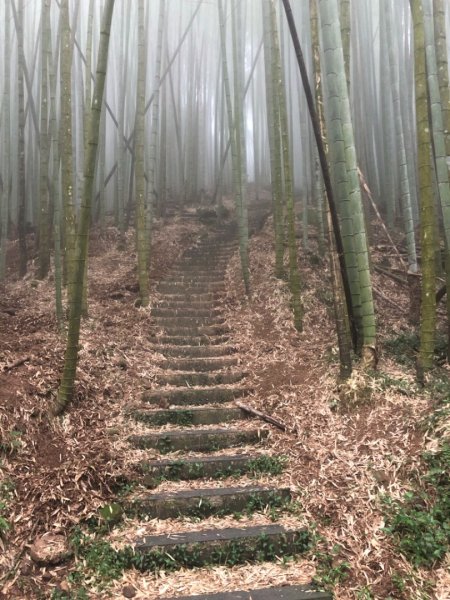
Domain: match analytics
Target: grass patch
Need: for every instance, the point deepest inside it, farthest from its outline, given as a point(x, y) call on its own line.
point(420, 523)
point(179, 470)
point(331, 570)
point(6, 493)
point(100, 563)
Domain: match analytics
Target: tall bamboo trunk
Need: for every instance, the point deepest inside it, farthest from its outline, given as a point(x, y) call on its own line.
point(141, 220)
point(67, 178)
point(66, 389)
point(21, 217)
point(5, 141)
point(427, 206)
point(280, 99)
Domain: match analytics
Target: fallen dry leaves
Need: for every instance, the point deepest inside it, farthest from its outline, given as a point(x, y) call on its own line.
point(340, 461)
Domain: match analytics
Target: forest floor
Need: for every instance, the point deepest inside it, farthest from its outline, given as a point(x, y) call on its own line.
point(353, 449)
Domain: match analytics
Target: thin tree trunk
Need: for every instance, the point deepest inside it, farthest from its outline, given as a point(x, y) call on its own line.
point(44, 246)
point(5, 141)
point(241, 153)
point(427, 206)
point(141, 229)
point(21, 218)
point(278, 85)
point(66, 389)
point(66, 151)
point(274, 143)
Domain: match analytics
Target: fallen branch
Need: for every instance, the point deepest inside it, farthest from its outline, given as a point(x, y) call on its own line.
point(441, 293)
point(366, 188)
point(16, 363)
point(392, 276)
point(261, 415)
point(379, 293)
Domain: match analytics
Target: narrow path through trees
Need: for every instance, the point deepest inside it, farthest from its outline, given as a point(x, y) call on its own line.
point(191, 418)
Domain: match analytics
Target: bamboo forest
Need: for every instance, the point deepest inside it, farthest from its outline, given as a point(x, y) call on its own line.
point(224, 318)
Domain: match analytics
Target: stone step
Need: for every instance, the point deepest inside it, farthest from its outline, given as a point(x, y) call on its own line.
point(182, 304)
point(200, 364)
point(189, 268)
point(214, 467)
point(187, 417)
point(199, 440)
point(187, 288)
point(183, 311)
point(203, 262)
point(180, 321)
point(288, 592)
point(192, 298)
point(196, 330)
point(194, 397)
point(191, 340)
point(221, 546)
point(195, 351)
point(199, 379)
point(193, 278)
point(210, 251)
point(205, 502)
point(215, 249)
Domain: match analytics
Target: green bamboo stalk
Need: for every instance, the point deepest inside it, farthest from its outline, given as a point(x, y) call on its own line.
point(151, 173)
point(5, 141)
point(340, 247)
point(69, 215)
point(44, 246)
point(241, 153)
point(442, 66)
point(319, 192)
point(23, 255)
point(278, 78)
point(66, 388)
point(439, 139)
point(335, 75)
point(345, 18)
point(274, 144)
point(55, 190)
point(340, 308)
point(408, 221)
point(141, 217)
point(236, 153)
point(427, 207)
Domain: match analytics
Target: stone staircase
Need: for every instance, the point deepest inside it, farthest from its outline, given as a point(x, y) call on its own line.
point(191, 419)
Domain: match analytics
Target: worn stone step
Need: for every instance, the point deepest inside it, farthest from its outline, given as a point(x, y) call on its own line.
point(195, 351)
point(194, 397)
point(215, 249)
point(187, 417)
point(190, 268)
point(188, 288)
point(214, 467)
point(220, 546)
point(191, 340)
point(193, 278)
point(199, 379)
point(192, 298)
point(210, 251)
point(196, 330)
point(288, 592)
point(180, 321)
point(205, 502)
point(199, 440)
point(204, 263)
point(200, 364)
point(185, 312)
point(183, 304)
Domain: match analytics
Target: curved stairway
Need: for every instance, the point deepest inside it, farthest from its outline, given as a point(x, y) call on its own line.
point(202, 377)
